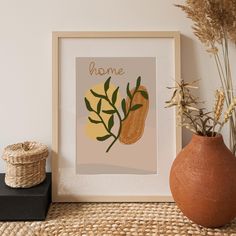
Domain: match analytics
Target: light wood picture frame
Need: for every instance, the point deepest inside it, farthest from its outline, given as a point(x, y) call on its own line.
point(67, 184)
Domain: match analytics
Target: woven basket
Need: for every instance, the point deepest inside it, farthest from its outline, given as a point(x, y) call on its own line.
point(25, 164)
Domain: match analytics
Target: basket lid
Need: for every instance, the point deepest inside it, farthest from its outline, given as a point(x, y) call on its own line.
point(26, 152)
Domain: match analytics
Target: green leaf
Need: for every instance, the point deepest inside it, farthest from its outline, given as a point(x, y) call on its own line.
point(123, 105)
point(109, 111)
point(138, 82)
point(97, 94)
point(107, 84)
point(144, 94)
point(94, 121)
point(99, 105)
point(128, 91)
point(136, 106)
point(114, 96)
point(87, 103)
point(103, 138)
point(111, 122)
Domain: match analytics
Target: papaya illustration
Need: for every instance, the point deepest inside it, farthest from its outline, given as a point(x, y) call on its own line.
point(133, 126)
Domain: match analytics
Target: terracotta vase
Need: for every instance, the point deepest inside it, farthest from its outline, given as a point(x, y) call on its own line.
point(203, 181)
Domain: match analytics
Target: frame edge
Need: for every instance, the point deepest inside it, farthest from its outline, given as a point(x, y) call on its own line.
point(56, 35)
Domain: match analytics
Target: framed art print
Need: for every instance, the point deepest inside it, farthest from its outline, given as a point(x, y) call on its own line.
point(113, 140)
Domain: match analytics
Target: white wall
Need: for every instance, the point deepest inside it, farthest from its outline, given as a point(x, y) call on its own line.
point(25, 53)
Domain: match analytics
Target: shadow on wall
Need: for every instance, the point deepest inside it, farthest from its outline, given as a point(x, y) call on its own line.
point(189, 71)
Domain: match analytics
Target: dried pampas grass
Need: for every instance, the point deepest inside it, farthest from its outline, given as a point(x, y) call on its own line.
point(214, 24)
point(213, 20)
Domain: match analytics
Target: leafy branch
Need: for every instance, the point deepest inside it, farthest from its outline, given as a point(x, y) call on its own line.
point(131, 97)
point(114, 111)
point(97, 112)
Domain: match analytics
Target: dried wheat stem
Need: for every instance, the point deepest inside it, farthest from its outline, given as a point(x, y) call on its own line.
point(218, 108)
point(228, 113)
point(219, 104)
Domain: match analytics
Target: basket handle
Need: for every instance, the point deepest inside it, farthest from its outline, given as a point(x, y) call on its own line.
point(25, 146)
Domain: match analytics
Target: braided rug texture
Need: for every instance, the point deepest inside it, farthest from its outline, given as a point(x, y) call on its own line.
point(113, 219)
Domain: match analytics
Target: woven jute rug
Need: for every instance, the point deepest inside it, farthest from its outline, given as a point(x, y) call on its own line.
point(113, 219)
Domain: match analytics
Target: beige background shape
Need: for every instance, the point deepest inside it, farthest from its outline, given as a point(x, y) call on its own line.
point(138, 158)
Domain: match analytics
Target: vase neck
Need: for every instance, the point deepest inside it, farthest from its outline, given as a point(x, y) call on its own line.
point(217, 140)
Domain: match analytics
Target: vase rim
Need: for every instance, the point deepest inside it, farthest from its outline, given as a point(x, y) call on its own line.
point(218, 137)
